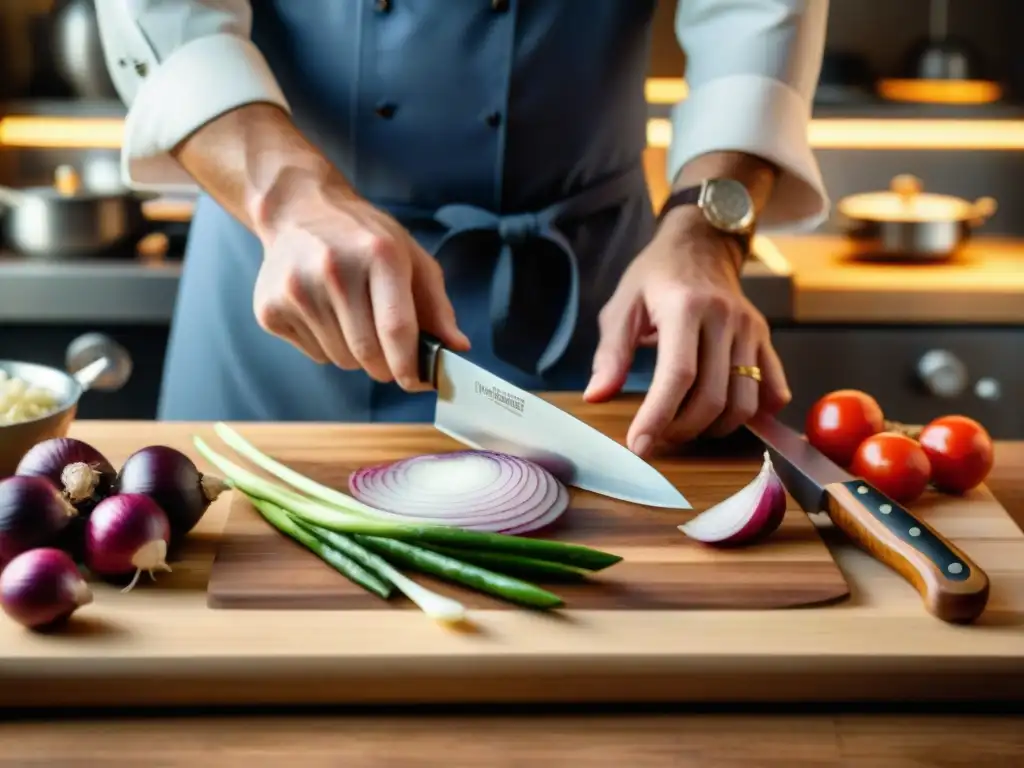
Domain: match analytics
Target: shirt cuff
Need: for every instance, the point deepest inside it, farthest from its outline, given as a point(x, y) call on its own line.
point(200, 81)
point(762, 117)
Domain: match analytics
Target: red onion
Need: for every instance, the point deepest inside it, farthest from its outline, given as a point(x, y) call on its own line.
point(475, 490)
point(33, 513)
point(173, 481)
point(127, 533)
point(79, 470)
point(41, 588)
point(751, 514)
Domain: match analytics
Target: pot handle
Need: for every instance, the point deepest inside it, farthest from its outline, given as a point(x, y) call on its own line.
point(98, 362)
point(984, 208)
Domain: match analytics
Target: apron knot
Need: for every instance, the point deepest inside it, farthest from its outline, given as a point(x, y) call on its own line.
point(519, 228)
point(535, 287)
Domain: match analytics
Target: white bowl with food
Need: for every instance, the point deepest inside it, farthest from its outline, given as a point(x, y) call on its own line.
point(39, 402)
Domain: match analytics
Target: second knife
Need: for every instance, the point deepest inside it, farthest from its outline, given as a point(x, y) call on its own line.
point(953, 587)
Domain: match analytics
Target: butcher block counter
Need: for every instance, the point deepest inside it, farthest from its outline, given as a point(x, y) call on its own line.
point(165, 645)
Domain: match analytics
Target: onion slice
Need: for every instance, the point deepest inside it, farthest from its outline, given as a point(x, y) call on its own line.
point(750, 515)
point(475, 490)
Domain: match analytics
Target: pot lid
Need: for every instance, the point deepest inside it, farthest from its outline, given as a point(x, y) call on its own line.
point(906, 201)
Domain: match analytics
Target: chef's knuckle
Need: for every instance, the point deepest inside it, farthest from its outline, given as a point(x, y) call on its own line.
point(294, 289)
point(681, 374)
point(381, 249)
point(395, 324)
point(715, 402)
point(718, 305)
point(270, 316)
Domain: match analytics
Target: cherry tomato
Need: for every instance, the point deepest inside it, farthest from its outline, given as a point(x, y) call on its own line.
point(893, 463)
point(840, 421)
point(960, 451)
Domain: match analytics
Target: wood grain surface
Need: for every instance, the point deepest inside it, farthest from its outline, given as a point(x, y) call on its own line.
point(257, 567)
point(161, 645)
point(982, 284)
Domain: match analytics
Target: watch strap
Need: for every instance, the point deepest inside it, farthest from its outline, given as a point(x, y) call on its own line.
point(684, 196)
point(691, 196)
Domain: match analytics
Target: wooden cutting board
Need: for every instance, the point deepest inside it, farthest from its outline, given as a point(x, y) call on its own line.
point(258, 568)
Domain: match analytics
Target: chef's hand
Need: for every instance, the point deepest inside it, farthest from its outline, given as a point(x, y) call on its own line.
point(683, 294)
point(347, 284)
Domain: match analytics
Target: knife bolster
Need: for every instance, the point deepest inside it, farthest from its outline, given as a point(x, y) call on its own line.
point(429, 349)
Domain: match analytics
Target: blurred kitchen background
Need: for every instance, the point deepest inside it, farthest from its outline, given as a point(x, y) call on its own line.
point(916, 98)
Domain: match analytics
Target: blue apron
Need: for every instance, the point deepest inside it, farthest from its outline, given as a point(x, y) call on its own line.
point(507, 135)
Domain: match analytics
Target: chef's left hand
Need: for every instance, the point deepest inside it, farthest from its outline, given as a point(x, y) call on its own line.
point(683, 294)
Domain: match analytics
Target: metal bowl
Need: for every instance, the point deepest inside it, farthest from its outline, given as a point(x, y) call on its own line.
point(93, 361)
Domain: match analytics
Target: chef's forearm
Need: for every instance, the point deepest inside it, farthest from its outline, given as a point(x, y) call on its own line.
point(254, 161)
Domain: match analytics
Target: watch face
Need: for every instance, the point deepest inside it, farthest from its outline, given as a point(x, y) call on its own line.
point(728, 205)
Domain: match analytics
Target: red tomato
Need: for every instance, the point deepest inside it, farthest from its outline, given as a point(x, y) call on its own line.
point(893, 463)
point(840, 421)
point(960, 451)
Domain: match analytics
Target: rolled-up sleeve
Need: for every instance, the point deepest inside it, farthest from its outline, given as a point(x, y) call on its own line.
point(752, 67)
point(177, 65)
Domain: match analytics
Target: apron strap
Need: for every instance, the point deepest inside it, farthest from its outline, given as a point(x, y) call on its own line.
point(516, 235)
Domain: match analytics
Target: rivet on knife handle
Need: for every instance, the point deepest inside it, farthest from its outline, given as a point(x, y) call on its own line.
point(953, 588)
point(429, 348)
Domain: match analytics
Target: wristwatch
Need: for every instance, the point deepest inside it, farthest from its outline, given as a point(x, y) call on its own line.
point(726, 205)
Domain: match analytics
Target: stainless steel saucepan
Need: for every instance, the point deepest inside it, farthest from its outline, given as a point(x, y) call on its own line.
point(68, 221)
point(94, 361)
point(908, 223)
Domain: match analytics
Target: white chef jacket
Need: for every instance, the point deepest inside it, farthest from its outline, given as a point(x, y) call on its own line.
point(752, 69)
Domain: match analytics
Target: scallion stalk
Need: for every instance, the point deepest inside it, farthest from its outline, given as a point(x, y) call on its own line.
point(334, 556)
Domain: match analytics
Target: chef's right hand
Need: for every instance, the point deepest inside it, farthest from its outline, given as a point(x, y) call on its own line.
point(347, 284)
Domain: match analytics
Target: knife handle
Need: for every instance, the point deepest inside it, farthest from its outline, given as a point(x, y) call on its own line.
point(953, 587)
point(429, 349)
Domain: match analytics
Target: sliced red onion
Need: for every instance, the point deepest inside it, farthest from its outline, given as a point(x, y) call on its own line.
point(41, 588)
point(751, 514)
point(475, 490)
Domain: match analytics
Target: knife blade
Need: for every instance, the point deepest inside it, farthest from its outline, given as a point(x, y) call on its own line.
point(485, 412)
point(952, 587)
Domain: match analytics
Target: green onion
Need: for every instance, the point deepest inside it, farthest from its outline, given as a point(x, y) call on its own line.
point(334, 556)
point(353, 522)
point(515, 565)
point(436, 564)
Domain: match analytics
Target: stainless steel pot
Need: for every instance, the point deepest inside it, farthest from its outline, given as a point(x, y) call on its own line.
point(66, 222)
point(93, 361)
point(78, 50)
point(907, 223)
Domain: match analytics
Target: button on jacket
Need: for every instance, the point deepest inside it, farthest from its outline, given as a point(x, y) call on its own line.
point(507, 135)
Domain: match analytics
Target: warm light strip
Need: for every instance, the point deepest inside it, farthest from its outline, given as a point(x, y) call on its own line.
point(824, 133)
point(665, 90)
point(850, 133)
point(941, 91)
point(65, 132)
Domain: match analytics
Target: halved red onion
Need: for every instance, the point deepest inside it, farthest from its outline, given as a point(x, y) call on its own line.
point(475, 490)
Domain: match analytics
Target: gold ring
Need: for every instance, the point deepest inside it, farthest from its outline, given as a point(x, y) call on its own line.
point(747, 370)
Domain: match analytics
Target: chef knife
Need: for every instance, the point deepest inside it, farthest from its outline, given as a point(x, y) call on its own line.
point(952, 587)
point(485, 412)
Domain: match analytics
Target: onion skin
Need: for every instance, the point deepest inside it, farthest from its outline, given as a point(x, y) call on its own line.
point(33, 513)
point(127, 534)
point(172, 480)
point(81, 472)
point(41, 589)
point(747, 517)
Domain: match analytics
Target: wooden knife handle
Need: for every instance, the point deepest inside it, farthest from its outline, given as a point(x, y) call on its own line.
point(953, 587)
point(429, 348)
